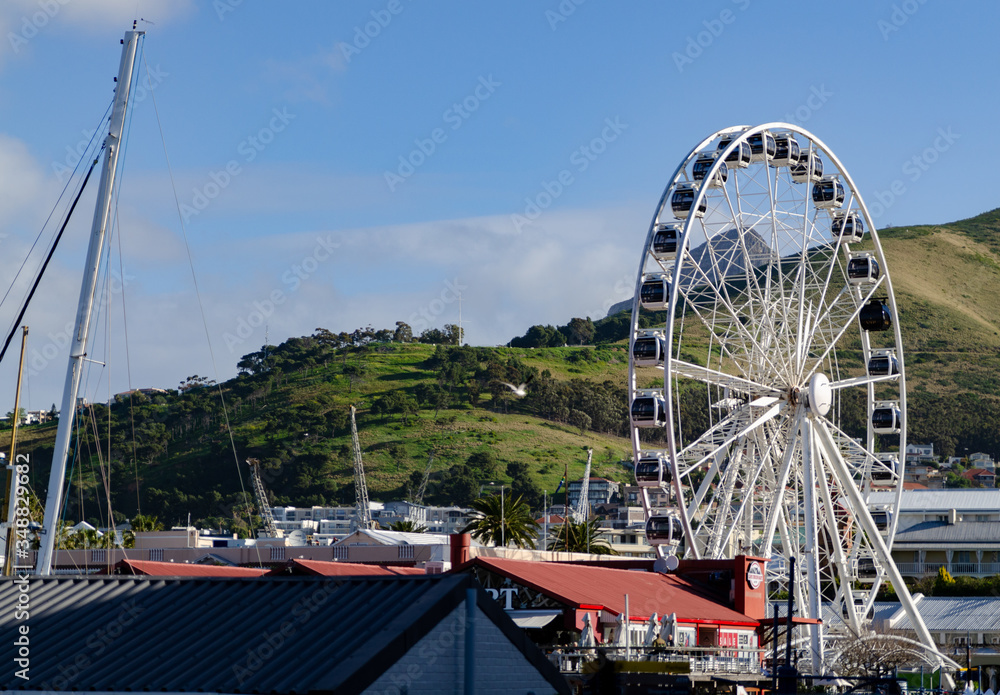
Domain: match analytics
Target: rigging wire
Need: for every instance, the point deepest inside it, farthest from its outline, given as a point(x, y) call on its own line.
point(83, 158)
point(121, 272)
point(201, 308)
point(41, 272)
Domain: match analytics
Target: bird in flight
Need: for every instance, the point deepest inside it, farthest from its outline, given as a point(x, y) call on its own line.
point(519, 391)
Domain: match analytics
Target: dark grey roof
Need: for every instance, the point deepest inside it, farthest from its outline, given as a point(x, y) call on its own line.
point(953, 614)
point(267, 635)
point(941, 532)
point(933, 501)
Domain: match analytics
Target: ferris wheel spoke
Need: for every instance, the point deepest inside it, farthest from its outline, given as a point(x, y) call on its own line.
point(839, 561)
point(724, 435)
point(714, 377)
point(862, 381)
point(721, 324)
point(845, 325)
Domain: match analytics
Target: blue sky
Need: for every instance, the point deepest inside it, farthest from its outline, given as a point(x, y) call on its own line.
point(385, 157)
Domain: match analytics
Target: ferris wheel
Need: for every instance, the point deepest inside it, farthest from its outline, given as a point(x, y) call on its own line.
point(766, 372)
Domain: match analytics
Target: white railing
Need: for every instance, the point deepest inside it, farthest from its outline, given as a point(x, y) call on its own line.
point(954, 568)
point(699, 659)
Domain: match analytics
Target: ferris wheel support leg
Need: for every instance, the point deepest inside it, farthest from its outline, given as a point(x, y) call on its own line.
point(885, 558)
point(812, 549)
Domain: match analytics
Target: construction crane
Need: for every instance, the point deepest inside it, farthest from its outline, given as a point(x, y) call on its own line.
point(360, 488)
point(265, 509)
point(423, 484)
point(583, 504)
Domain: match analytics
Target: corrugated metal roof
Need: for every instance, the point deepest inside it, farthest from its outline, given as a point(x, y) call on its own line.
point(341, 569)
point(268, 635)
point(648, 592)
point(184, 569)
point(954, 614)
point(396, 538)
point(943, 533)
point(966, 500)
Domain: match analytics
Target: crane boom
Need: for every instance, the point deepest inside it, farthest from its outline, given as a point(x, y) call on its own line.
point(423, 483)
point(265, 509)
point(360, 487)
point(583, 504)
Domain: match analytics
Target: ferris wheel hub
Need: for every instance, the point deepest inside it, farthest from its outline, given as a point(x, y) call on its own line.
point(820, 394)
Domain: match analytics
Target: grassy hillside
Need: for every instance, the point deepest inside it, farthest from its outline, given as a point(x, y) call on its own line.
point(293, 415)
point(289, 407)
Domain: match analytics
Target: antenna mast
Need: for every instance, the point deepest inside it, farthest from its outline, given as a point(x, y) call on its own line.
point(78, 346)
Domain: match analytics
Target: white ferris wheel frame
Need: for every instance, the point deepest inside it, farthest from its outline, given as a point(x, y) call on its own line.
point(816, 437)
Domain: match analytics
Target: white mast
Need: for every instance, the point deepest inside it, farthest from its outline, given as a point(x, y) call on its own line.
point(78, 347)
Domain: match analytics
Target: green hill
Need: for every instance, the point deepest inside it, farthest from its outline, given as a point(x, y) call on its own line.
point(171, 454)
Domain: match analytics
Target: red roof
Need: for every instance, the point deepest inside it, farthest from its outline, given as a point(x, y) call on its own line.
point(587, 586)
point(553, 519)
point(915, 486)
point(342, 569)
point(185, 569)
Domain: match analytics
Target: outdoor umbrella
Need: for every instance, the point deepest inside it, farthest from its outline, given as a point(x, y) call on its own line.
point(652, 630)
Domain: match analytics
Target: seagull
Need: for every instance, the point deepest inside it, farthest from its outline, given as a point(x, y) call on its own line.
point(519, 391)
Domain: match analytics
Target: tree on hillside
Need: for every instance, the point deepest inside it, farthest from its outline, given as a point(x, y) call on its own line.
point(581, 330)
point(502, 520)
point(403, 333)
point(484, 463)
point(523, 485)
point(354, 372)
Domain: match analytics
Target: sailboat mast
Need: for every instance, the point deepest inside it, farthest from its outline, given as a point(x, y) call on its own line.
point(78, 346)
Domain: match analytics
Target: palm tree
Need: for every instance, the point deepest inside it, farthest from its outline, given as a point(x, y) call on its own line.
point(583, 538)
point(141, 522)
point(501, 520)
point(406, 527)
